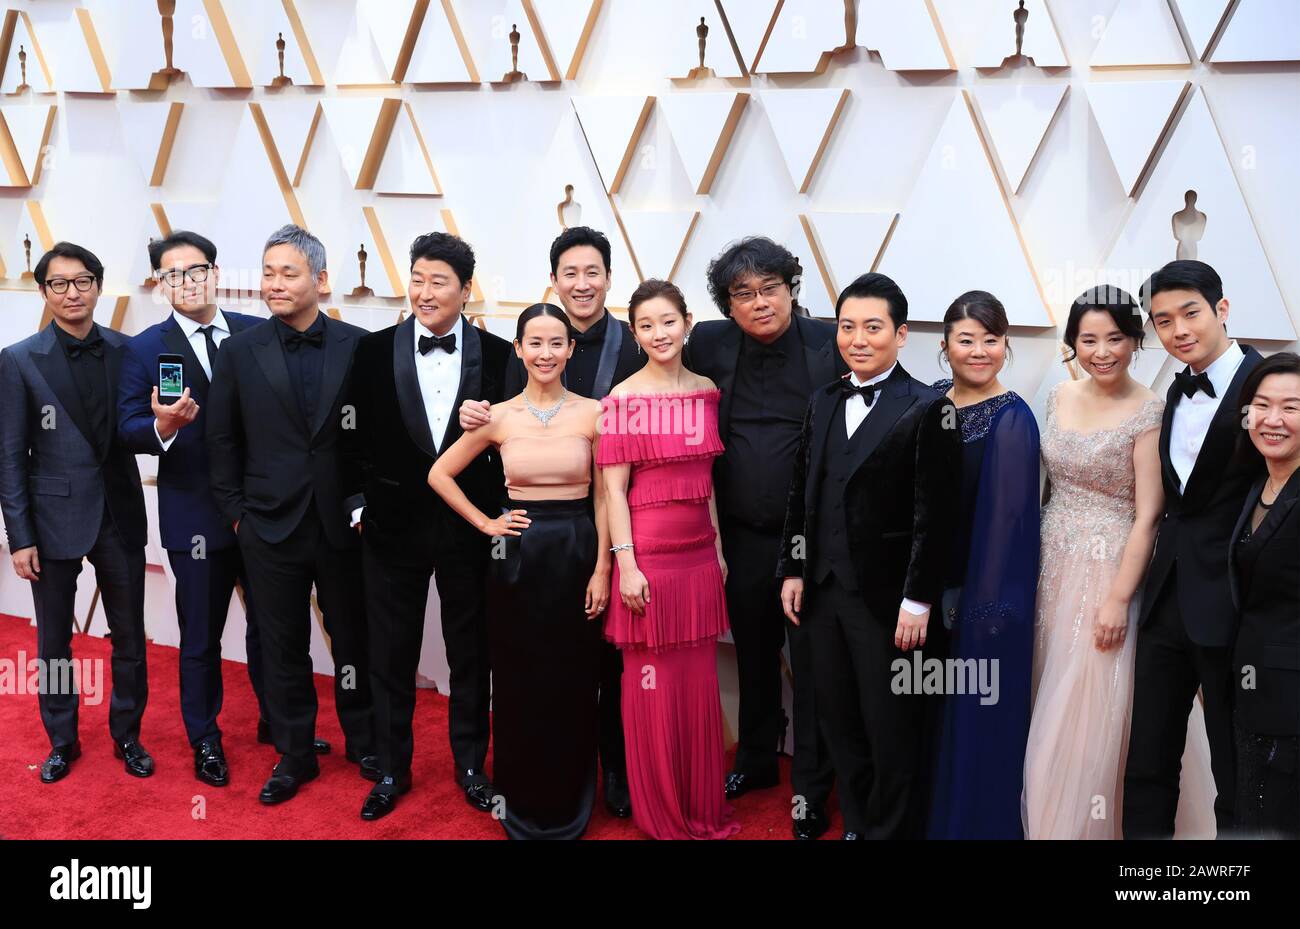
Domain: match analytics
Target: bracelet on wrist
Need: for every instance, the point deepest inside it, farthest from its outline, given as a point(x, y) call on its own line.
point(622, 548)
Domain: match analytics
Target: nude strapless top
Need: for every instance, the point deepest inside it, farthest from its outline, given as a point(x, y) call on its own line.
point(547, 467)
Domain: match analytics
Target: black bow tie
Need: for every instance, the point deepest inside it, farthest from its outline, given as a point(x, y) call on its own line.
point(447, 343)
point(867, 391)
point(1190, 383)
point(297, 340)
point(94, 345)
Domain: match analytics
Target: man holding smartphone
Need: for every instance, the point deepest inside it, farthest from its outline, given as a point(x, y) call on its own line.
point(166, 375)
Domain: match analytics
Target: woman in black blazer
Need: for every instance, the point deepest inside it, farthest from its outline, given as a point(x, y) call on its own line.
point(1265, 559)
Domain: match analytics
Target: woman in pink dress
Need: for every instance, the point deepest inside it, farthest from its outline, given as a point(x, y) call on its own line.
point(659, 437)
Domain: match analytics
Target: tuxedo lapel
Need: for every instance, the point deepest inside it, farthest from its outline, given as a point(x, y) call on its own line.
point(338, 358)
point(821, 360)
point(409, 399)
point(471, 379)
point(113, 355)
point(173, 337)
point(1278, 512)
point(1172, 480)
point(894, 400)
point(54, 367)
point(729, 358)
point(827, 405)
point(269, 355)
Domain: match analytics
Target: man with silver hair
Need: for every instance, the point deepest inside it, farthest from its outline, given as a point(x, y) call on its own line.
point(275, 426)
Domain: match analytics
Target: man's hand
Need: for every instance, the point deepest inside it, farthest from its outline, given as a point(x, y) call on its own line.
point(792, 598)
point(911, 629)
point(475, 414)
point(170, 419)
point(27, 564)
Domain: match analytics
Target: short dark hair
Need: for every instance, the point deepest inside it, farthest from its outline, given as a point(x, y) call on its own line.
point(1121, 306)
point(441, 246)
point(877, 285)
point(578, 236)
point(543, 309)
point(649, 290)
point(756, 255)
point(160, 247)
point(71, 251)
point(1184, 275)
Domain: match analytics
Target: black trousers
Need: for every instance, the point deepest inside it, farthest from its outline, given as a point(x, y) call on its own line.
point(204, 587)
point(282, 576)
point(613, 748)
point(1167, 672)
point(397, 593)
point(758, 627)
point(119, 571)
point(876, 737)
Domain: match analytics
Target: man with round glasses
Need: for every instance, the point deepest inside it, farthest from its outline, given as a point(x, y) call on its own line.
point(70, 490)
point(200, 544)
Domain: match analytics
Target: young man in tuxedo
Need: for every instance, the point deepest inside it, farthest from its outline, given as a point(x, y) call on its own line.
point(70, 490)
point(605, 353)
point(276, 419)
point(766, 356)
point(871, 508)
point(1187, 619)
point(407, 384)
point(199, 542)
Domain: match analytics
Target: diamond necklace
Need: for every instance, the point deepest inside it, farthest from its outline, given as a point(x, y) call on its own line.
point(545, 416)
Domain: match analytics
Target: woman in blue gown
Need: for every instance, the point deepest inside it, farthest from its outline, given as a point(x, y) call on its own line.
point(993, 578)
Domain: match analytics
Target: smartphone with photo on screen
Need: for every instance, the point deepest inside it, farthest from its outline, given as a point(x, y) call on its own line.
point(171, 378)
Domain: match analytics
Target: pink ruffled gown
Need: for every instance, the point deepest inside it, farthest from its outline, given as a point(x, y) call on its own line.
point(672, 711)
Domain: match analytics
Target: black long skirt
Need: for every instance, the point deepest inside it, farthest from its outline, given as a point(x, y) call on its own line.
point(545, 673)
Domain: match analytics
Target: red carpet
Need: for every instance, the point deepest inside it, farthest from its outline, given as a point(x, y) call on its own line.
point(99, 800)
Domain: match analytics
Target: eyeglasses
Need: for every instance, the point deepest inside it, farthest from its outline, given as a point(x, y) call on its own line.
point(743, 297)
point(59, 285)
point(175, 277)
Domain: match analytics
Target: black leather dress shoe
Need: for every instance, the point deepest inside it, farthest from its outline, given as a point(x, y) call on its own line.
point(138, 762)
point(369, 765)
point(812, 826)
point(210, 764)
point(480, 796)
point(618, 799)
point(383, 797)
point(852, 837)
point(284, 786)
point(738, 783)
point(57, 766)
point(319, 746)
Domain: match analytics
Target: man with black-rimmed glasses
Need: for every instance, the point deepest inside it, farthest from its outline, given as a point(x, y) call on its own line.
point(70, 490)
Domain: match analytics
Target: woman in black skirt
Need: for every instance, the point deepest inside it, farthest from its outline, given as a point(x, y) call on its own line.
point(549, 586)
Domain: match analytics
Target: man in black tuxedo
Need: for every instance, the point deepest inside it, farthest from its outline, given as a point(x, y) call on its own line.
point(767, 357)
point(1187, 618)
point(407, 385)
point(275, 424)
point(871, 510)
point(69, 491)
point(605, 353)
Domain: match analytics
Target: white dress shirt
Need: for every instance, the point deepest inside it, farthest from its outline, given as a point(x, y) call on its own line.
point(856, 412)
point(439, 376)
point(1192, 415)
point(199, 345)
point(855, 408)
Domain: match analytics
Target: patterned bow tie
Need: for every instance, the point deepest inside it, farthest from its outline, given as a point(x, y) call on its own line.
point(1190, 383)
point(94, 345)
point(429, 343)
point(867, 391)
point(297, 340)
